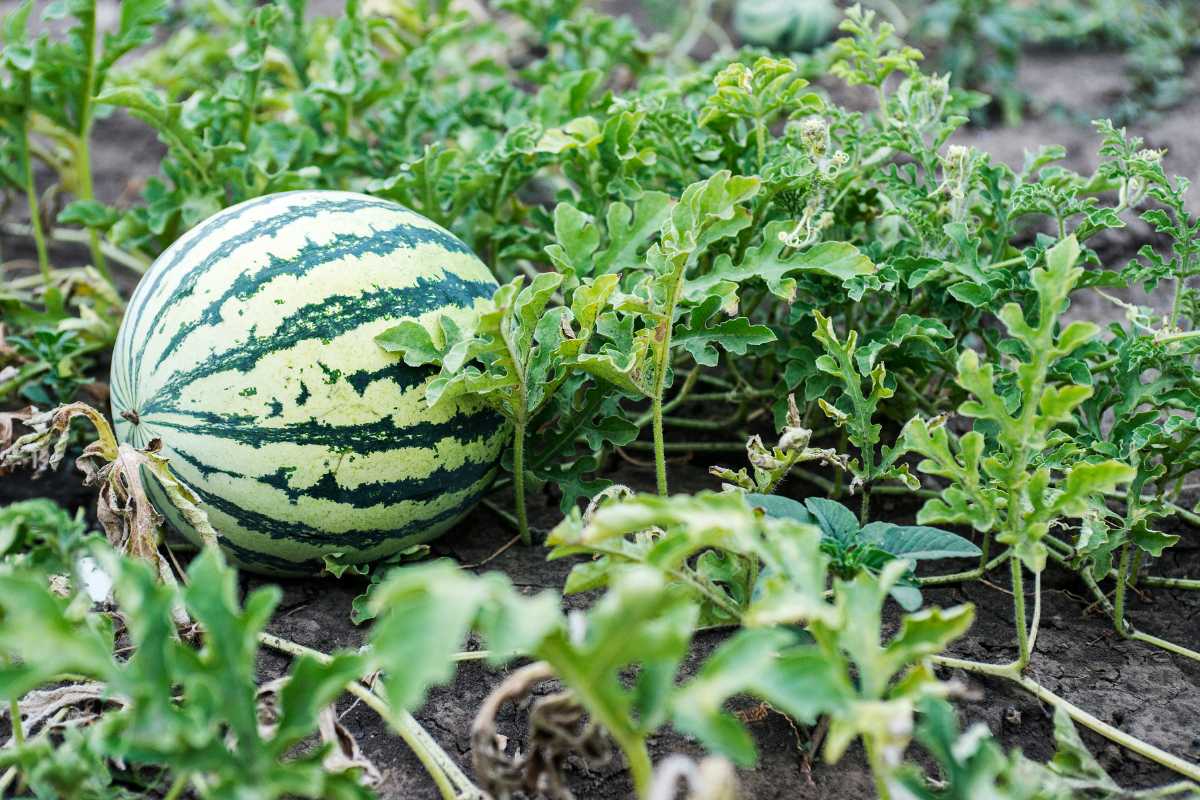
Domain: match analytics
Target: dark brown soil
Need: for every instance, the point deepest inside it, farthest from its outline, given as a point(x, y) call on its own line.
point(1146, 692)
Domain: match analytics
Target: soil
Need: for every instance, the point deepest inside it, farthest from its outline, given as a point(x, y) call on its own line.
point(1149, 693)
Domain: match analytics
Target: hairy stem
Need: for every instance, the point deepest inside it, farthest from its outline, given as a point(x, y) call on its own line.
point(1119, 599)
point(83, 155)
point(519, 482)
point(660, 455)
point(1018, 589)
point(967, 575)
point(662, 357)
point(1144, 749)
point(1192, 584)
point(1170, 647)
point(35, 215)
point(1129, 632)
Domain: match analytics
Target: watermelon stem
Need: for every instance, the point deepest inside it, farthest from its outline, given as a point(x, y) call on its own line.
point(35, 214)
point(519, 480)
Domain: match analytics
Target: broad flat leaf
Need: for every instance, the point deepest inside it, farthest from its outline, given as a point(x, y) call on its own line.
point(977, 295)
point(907, 597)
point(918, 541)
point(576, 239)
point(1152, 541)
point(707, 211)
point(908, 329)
point(783, 507)
point(580, 133)
point(835, 520)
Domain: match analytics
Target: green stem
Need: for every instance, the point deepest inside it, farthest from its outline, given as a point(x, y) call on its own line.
point(1191, 584)
point(1018, 590)
point(1175, 298)
point(83, 156)
point(35, 215)
point(18, 726)
point(880, 770)
point(134, 261)
point(690, 447)
point(968, 575)
point(177, 787)
point(760, 141)
point(1135, 573)
point(1122, 583)
point(519, 482)
point(660, 451)
point(451, 782)
point(985, 549)
point(700, 424)
point(508, 517)
point(685, 390)
point(1129, 632)
point(1170, 647)
point(916, 395)
point(1144, 749)
point(249, 102)
point(1008, 262)
point(713, 380)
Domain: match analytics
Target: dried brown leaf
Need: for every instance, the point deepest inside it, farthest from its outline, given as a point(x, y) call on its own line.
point(344, 753)
point(77, 704)
point(558, 729)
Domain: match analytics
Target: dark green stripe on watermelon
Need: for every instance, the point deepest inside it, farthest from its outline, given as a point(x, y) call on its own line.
point(148, 287)
point(310, 257)
point(327, 319)
point(439, 482)
point(378, 436)
point(266, 228)
point(351, 540)
point(400, 374)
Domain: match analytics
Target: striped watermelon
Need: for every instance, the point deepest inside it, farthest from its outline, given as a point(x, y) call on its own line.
point(789, 25)
point(248, 350)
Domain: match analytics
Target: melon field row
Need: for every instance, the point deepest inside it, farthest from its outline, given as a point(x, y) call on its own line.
point(625, 394)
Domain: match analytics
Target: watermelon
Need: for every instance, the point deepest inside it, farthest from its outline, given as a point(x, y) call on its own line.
point(789, 25)
point(248, 351)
